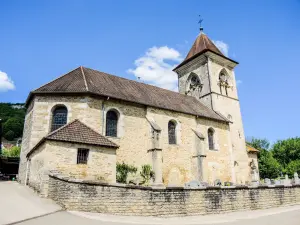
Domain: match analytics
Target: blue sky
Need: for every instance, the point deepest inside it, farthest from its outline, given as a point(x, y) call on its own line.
point(40, 40)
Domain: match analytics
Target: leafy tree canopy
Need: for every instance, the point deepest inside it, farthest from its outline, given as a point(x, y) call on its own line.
point(286, 151)
point(269, 167)
point(12, 116)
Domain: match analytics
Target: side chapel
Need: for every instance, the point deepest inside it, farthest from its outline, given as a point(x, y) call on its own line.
point(84, 122)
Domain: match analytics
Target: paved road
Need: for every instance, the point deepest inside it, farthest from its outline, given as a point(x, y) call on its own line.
point(66, 218)
point(18, 203)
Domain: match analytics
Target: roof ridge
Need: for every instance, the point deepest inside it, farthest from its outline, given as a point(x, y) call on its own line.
point(204, 41)
point(84, 78)
point(56, 79)
point(137, 82)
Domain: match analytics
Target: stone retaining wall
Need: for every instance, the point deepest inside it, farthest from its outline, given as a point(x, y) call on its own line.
point(145, 201)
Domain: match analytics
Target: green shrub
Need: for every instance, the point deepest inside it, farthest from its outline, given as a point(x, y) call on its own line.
point(12, 152)
point(146, 173)
point(123, 170)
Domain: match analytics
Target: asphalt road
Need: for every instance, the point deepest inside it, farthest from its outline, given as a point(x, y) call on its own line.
point(66, 218)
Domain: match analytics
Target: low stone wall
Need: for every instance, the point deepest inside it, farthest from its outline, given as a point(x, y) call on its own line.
point(145, 201)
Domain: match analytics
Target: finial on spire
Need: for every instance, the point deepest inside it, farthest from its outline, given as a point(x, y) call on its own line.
point(200, 22)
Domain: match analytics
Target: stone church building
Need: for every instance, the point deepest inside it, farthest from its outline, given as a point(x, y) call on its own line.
point(84, 122)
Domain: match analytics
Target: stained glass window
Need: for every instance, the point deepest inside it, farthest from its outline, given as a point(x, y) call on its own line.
point(59, 117)
point(172, 132)
point(211, 144)
point(111, 124)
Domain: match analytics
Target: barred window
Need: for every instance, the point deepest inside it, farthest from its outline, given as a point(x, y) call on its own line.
point(111, 123)
point(59, 117)
point(82, 155)
point(211, 143)
point(172, 132)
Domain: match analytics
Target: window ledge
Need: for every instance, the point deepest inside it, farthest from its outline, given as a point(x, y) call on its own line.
point(113, 137)
point(214, 150)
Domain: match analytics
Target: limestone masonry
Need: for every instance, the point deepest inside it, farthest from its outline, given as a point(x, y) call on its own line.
point(84, 122)
point(145, 201)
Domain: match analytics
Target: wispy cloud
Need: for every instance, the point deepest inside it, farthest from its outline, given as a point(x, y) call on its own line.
point(224, 48)
point(6, 83)
point(238, 82)
point(155, 67)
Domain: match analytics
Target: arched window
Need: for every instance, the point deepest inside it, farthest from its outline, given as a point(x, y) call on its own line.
point(211, 142)
point(193, 86)
point(59, 117)
point(111, 123)
point(172, 132)
point(224, 81)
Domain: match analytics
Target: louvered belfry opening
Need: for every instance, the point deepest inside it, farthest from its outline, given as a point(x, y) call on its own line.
point(172, 132)
point(59, 117)
point(82, 155)
point(111, 124)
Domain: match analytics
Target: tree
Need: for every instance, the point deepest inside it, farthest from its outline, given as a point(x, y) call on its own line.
point(15, 125)
point(9, 135)
point(292, 167)
point(286, 151)
point(269, 167)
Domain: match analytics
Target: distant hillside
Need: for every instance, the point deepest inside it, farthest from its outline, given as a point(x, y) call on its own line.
point(12, 116)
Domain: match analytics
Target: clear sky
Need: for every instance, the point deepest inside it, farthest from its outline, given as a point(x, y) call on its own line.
point(40, 40)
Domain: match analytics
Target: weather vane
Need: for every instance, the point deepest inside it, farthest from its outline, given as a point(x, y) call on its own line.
point(200, 22)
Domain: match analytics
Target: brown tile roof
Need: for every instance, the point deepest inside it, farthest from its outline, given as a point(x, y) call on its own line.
point(251, 149)
point(87, 81)
point(201, 45)
point(76, 132)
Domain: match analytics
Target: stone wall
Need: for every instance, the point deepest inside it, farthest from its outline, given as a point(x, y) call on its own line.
point(145, 201)
point(62, 156)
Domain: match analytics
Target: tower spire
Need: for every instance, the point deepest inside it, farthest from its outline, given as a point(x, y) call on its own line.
point(200, 22)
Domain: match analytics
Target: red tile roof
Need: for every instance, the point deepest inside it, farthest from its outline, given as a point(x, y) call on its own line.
point(201, 45)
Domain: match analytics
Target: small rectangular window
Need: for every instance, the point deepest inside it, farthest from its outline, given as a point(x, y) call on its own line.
point(82, 155)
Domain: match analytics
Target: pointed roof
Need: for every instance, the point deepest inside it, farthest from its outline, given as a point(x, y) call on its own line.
point(201, 45)
point(85, 81)
point(76, 132)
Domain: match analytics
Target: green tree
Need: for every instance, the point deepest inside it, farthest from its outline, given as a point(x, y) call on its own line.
point(286, 151)
point(12, 116)
point(292, 167)
point(9, 135)
point(269, 167)
point(15, 125)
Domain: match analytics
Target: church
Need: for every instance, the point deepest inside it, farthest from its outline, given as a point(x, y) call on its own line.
point(85, 122)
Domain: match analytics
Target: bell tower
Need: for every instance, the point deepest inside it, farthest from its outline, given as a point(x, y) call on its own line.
point(208, 75)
